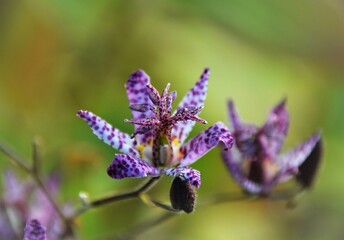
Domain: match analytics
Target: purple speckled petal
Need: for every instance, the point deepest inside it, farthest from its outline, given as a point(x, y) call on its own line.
point(234, 118)
point(185, 173)
point(194, 98)
point(108, 134)
point(295, 157)
point(138, 93)
point(34, 230)
point(275, 129)
point(244, 134)
point(124, 166)
point(236, 172)
point(205, 141)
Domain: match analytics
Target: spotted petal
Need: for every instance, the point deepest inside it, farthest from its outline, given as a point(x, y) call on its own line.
point(205, 141)
point(185, 173)
point(233, 166)
point(296, 156)
point(108, 134)
point(194, 98)
point(234, 118)
point(34, 230)
point(275, 129)
point(124, 166)
point(138, 93)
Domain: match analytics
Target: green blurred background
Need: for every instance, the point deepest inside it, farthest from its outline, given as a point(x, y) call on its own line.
point(57, 57)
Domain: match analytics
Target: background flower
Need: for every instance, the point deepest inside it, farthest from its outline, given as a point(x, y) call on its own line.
point(257, 164)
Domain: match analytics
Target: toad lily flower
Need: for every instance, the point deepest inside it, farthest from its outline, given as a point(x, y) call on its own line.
point(156, 146)
point(257, 164)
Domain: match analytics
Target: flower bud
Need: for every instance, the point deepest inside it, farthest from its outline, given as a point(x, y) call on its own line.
point(182, 195)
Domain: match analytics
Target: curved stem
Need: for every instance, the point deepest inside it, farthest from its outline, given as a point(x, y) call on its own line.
point(16, 159)
point(127, 195)
point(155, 203)
point(144, 187)
point(144, 226)
point(217, 199)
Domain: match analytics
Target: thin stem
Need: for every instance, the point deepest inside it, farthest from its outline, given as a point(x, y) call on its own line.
point(155, 203)
point(217, 199)
point(127, 195)
point(16, 159)
point(144, 187)
point(144, 226)
point(36, 155)
point(48, 195)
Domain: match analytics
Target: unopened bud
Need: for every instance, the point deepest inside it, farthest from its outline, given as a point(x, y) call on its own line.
point(84, 198)
point(182, 195)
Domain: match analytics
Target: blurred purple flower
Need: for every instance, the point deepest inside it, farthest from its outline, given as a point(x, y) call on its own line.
point(256, 163)
point(34, 231)
point(21, 201)
point(156, 146)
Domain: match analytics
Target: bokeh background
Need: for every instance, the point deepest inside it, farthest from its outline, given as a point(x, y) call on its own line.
point(57, 57)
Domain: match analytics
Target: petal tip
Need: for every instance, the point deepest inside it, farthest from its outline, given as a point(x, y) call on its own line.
point(81, 113)
point(137, 75)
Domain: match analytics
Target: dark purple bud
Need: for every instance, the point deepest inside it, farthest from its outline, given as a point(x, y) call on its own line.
point(309, 168)
point(140, 107)
point(182, 195)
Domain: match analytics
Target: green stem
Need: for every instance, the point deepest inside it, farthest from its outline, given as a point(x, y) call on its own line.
point(16, 159)
point(144, 187)
point(144, 226)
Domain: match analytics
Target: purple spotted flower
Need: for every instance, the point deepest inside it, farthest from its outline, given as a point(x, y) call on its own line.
point(34, 230)
point(157, 145)
point(255, 161)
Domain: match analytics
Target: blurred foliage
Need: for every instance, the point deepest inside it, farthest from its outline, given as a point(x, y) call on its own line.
point(57, 57)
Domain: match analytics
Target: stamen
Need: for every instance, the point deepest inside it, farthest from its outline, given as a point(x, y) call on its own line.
point(140, 107)
point(162, 122)
point(165, 154)
point(153, 94)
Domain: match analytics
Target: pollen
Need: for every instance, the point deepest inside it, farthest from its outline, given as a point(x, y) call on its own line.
point(140, 149)
point(176, 142)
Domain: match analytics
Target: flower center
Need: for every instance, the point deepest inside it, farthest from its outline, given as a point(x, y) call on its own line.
point(161, 122)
